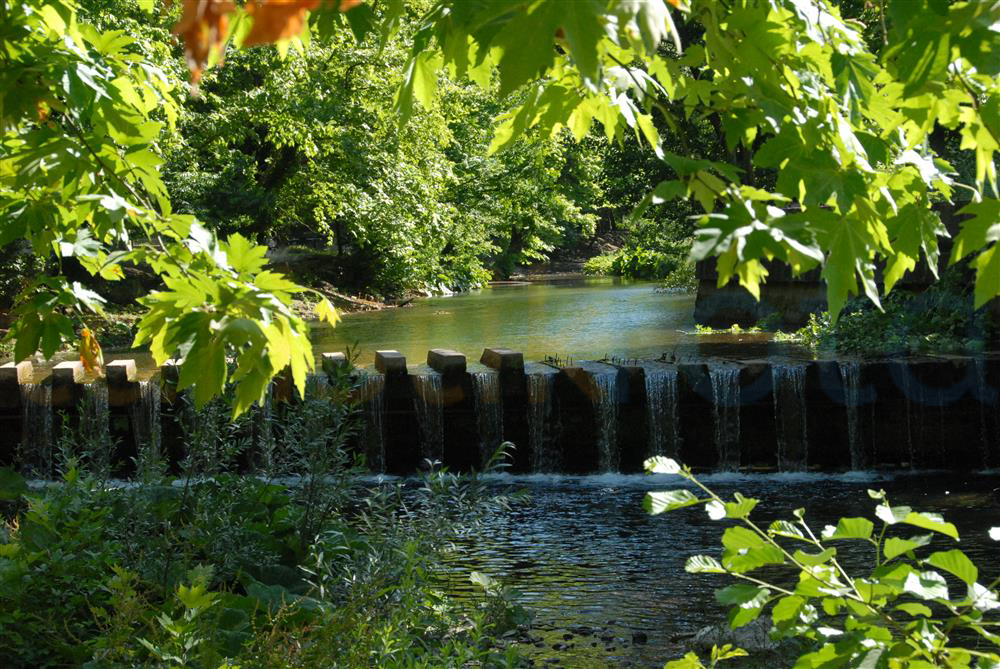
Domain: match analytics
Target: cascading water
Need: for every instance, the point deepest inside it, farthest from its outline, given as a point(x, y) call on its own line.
point(541, 388)
point(788, 391)
point(726, 399)
point(984, 396)
point(908, 395)
point(95, 427)
point(144, 415)
point(850, 375)
point(606, 405)
point(36, 428)
point(489, 412)
point(373, 397)
point(662, 413)
point(430, 415)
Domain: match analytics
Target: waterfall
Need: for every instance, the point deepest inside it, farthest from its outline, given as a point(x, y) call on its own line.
point(144, 415)
point(788, 383)
point(850, 374)
point(541, 388)
point(267, 446)
point(907, 390)
point(430, 415)
point(726, 400)
point(606, 405)
point(36, 428)
point(95, 428)
point(982, 393)
point(373, 398)
point(662, 415)
point(489, 412)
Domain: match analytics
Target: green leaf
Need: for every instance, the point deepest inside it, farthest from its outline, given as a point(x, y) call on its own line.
point(787, 608)
point(12, 485)
point(955, 563)
point(689, 661)
point(662, 465)
point(659, 502)
point(326, 313)
point(703, 564)
point(895, 546)
point(850, 528)
point(915, 609)
point(927, 585)
point(783, 528)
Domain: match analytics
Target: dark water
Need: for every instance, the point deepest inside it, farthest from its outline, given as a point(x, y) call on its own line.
point(584, 318)
point(585, 555)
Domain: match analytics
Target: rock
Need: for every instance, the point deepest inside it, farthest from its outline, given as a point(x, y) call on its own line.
point(639, 637)
point(753, 637)
point(567, 636)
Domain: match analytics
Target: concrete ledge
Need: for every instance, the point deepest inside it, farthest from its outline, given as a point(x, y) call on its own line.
point(445, 361)
point(19, 374)
point(390, 362)
point(121, 372)
point(332, 361)
point(68, 372)
point(503, 360)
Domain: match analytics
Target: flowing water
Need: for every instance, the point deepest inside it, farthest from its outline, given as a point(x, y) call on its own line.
point(36, 428)
point(599, 573)
point(430, 414)
point(489, 412)
point(788, 383)
point(662, 413)
point(540, 422)
point(850, 374)
point(606, 405)
point(373, 397)
point(726, 401)
point(144, 416)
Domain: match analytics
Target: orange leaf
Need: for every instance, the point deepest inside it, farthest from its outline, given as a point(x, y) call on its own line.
point(275, 20)
point(203, 27)
point(349, 4)
point(90, 353)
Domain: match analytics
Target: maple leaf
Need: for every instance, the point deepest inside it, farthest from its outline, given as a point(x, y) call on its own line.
point(203, 26)
point(275, 20)
point(90, 353)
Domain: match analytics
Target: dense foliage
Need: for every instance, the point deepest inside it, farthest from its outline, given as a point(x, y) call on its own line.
point(908, 609)
point(263, 549)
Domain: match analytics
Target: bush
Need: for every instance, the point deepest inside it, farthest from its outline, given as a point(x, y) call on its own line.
point(903, 613)
point(220, 569)
point(636, 263)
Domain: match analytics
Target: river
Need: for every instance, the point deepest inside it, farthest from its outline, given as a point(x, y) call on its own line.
point(583, 318)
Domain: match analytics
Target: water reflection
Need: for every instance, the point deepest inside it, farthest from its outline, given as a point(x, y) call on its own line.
point(588, 559)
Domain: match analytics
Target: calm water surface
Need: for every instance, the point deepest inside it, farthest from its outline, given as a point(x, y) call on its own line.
point(585, 318)
point(588, 559)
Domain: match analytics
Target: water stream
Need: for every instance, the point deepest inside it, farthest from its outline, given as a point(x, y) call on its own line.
point(850, 374)
point(36, 428)
point(489, 412)
point(428, 401)
point(788, 383)
point(607, 582)
point(144, 416)
point(662, 415)
point(541, 390)
point(726, 401)
point(606, 405)
point(373, 397)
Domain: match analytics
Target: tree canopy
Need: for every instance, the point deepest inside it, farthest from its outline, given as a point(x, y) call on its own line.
point(831, 153)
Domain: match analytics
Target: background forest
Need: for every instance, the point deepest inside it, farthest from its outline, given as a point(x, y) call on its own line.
point(303, 151)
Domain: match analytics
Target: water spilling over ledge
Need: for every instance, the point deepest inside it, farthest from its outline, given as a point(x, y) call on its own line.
point(578, 418)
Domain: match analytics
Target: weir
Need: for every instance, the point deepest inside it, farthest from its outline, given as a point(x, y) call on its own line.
point(592, 416)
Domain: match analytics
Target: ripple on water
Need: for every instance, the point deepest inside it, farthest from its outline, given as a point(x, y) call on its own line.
point(586, 557)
